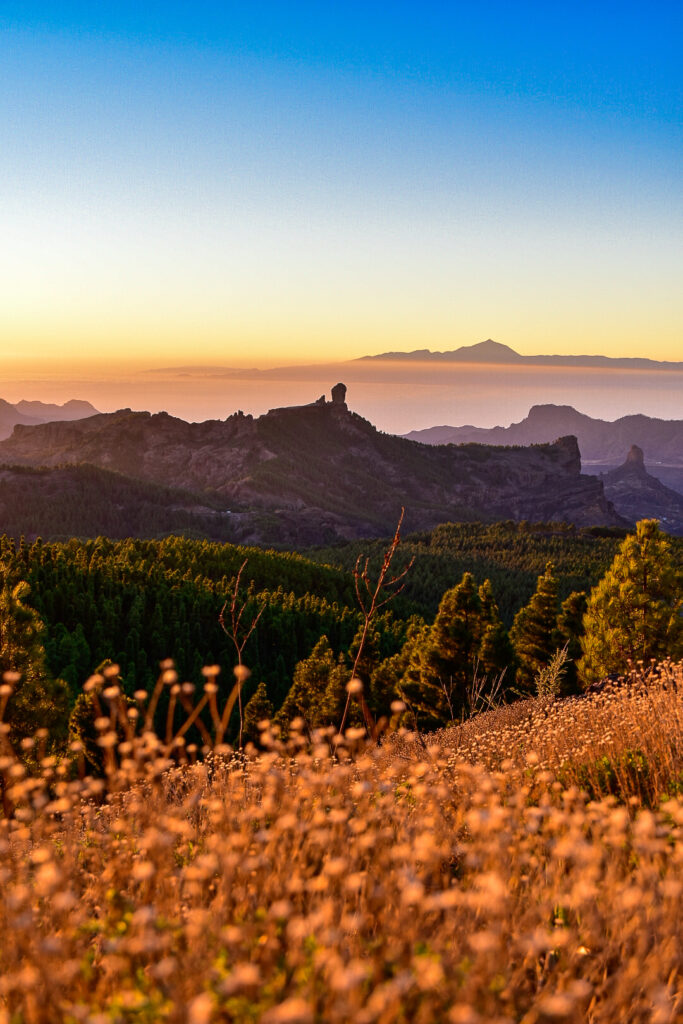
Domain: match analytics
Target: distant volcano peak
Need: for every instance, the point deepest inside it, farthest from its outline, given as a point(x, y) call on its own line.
point(490, 348)
point(493, 352)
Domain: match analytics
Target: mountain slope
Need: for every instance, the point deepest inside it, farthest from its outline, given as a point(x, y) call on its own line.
point(30, 413)
point(74, 409)
point(490, 351)
point(10, 416)
point(602, 443)
point(324, 470)
point(638, 495)
point(86, 501)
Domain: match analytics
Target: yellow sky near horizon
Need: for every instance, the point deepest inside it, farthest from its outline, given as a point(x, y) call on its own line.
point(108, 286)
point(105, 352)
point(180, 203)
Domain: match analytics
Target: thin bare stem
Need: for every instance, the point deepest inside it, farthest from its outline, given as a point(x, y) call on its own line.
point(240, 637)
point(371, 597)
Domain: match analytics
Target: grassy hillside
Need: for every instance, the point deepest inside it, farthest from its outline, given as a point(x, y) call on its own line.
point(378, 884)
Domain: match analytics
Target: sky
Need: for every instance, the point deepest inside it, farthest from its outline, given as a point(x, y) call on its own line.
point(264, 183)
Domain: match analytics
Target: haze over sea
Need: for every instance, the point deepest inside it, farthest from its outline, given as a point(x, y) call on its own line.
point(395, 396)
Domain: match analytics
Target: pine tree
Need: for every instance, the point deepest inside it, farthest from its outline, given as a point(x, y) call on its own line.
point(369, 658)
point(37, 701)
point(421, 689)
point(496, 654)
point(86, 710)
point(385, 681)
point(445, 657)
point(309, 695)
point(257, 709)
point(571, 629)
point(332, 705)
point(636, 611)
point(534, 633)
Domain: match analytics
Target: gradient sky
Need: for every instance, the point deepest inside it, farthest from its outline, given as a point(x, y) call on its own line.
point(266, 182)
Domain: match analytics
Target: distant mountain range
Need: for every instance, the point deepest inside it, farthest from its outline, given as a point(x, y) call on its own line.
point(490, 351)
point(315, 473)
point(30, 413)
point(603, 445)
point(86, 501)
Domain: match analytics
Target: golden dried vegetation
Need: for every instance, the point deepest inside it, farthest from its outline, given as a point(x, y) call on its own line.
point(525, 867)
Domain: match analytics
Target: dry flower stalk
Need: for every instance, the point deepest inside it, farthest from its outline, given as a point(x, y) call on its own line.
point(466, 879)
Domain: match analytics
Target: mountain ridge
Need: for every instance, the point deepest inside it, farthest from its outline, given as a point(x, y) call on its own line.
point(495, 352)
point(636, 494)
point(324, 470)
point(30, 413)
point(602, 442)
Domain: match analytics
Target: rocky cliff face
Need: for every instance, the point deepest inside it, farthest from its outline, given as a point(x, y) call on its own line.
point(638, 495)
point(326, 469)
point(602, 443)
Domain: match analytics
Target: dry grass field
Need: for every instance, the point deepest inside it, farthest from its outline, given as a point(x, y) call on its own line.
point(524, 867)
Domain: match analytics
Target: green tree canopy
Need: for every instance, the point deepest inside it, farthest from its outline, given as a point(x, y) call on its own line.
point(534, 632)
point(257, 709)
point(318, 679)
point(37, 702)
point(571, 629)
point(636, 611)
point(466, 638)
point(496, 653)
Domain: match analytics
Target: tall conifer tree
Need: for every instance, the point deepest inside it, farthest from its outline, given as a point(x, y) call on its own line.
point(636, 611)
point(466, 637)
point(534, 632)
point(317, 680)
point(257, 709)
point(37, 701)
point(571, 629)
point(496, 653)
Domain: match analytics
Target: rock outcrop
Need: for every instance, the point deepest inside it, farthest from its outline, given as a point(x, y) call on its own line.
point(339, 394)
point(602, 443)
point(326, 468)
point(636, 494)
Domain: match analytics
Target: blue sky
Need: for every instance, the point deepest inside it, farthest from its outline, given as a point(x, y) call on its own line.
point(283, 181)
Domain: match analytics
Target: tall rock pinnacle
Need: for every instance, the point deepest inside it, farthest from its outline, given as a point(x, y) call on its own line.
point(339, 394)
point(635, 457)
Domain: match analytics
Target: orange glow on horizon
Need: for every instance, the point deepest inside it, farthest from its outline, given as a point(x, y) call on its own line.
point(106, 352)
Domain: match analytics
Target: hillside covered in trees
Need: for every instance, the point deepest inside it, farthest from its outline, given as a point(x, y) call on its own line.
point(87, 501)
point(511, 555)
point(480, 614)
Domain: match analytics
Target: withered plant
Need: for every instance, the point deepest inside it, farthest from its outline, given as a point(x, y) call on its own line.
point(239, 632)
point(372, 595)
point(473, 879)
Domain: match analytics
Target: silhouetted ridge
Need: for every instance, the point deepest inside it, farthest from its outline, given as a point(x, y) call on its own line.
point(313, 473)
point(636, 494)
point(30, 413)
point(490, 351)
